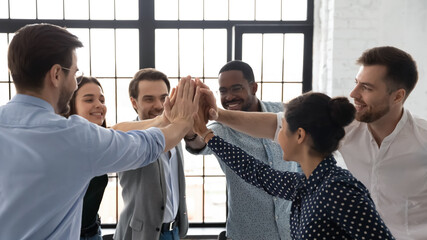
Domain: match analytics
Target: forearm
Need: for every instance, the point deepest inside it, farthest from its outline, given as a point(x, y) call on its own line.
point(255, 124)
point(140, 125)
point(174, 133)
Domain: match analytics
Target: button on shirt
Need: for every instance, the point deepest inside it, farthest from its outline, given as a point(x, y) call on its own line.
point(395, 173)
point(330, 204)
point(47, 162)
point(253, 214)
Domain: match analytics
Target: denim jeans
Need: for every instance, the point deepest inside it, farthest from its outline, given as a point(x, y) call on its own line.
point(172, 235)
point(94, 237)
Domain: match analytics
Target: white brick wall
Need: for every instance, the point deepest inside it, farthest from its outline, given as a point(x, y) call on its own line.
point(345, 28)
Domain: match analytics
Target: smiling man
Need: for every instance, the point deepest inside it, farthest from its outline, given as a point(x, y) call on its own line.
point(386, 148)
point(252, 214)
point(153, 195)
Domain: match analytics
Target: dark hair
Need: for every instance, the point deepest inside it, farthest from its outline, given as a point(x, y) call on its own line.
point(82, 81)
point(322, 118)
point(35, 49)
point(149, 74)
point(248, 74)
point(401, 68)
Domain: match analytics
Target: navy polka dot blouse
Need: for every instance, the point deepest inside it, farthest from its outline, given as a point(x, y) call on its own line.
point(330, 204)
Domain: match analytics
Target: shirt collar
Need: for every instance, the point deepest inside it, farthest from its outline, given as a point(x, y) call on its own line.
point(30, 100)
point(399, 126)
point(317, 176)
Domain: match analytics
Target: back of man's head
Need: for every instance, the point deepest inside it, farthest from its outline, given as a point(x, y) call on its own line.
point(35, 49)
point(401, 67)
point(248, 74)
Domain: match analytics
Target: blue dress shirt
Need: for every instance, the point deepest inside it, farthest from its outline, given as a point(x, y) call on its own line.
point(47, 162)
point(253, 214)
point(330, 204)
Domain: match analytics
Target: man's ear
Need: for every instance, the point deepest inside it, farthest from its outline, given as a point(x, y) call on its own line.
point(254, 88)
point(54, 75)
point(399, 95)
point(134, 104)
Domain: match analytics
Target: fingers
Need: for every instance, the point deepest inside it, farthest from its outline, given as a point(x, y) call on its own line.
point(213, 114)
point(173, 96)
point(201, 84)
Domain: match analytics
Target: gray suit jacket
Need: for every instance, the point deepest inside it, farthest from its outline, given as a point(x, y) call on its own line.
point(144, 197)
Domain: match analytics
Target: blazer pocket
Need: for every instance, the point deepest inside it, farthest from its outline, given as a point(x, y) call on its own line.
point(135, 224)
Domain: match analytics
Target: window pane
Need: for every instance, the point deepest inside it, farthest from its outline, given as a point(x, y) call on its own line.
point(76, 9)
point(215, 199)
point(272, 58)
point(4, 93)
point(291, 90)
point(166, 9)
point(242, 9)
point(127, 52)
point(127, 10)
point(212, 166)
point(166, 52)
point(49, 9)
point(190, 10)
point(294, 10)
point(271, 92)
point(293, 57)
point(83, 57)
point(194, 190)
point(102, 9)
point(109, 86)
point(216, 10)
point(125, 111)
point(4, 8)
point(191, 52)
point(268, 10)
point(3, 58)
point(193, 164)
point(102, 52)
point(252, 52)
point(215, 51)
point(18, 11)
point(107, 210)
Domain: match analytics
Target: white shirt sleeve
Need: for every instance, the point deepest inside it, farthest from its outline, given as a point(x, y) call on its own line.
point(280, 116)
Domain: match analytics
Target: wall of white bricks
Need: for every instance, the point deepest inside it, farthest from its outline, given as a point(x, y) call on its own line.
point(345, 28)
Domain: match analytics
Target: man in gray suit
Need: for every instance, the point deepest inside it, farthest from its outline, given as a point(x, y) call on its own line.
point(154, 195)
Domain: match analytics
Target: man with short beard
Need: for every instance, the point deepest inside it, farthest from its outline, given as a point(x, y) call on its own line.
point(386, 148)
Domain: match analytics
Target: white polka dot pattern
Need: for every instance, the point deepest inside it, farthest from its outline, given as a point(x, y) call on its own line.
point(330, 204)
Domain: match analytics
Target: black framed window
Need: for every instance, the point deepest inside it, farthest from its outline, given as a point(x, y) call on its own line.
point(179, 38)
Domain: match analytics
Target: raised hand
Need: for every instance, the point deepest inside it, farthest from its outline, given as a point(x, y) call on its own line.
point(207, 101)
point(184, 102)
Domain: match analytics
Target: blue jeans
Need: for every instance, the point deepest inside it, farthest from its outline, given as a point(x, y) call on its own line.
point(94, 237)
point(172, 235)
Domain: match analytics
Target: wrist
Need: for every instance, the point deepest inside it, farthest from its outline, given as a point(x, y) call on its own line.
point(191, 137)
point(207, 135)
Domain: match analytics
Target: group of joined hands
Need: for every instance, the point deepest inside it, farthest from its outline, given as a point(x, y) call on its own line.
point(192, 103)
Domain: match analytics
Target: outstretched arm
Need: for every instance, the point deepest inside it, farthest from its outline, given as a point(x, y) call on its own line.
point(256, 124)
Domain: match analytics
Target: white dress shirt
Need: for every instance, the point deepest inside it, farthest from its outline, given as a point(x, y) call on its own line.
point(395, 173)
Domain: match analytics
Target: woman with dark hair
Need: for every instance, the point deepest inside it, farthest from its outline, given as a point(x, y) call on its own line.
point(88, 101)
point(327, 201)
